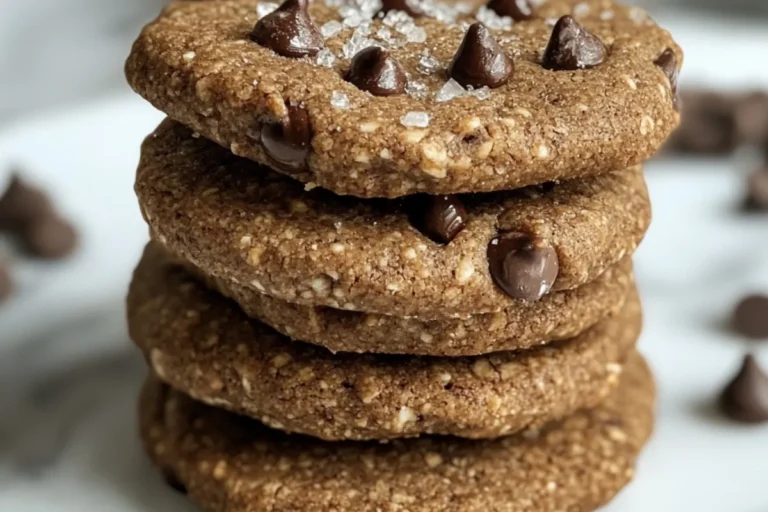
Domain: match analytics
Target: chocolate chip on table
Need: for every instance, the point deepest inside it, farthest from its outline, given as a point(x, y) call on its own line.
point(51, 238)
point(572, 47)
point(289, 31)
point(667, 62)
point(757, 190)
point(6, 284)
point(522, 266)
point(440, 218)
point(374, 70)
point(21, 204)
point(745, 399)
point(287, 141)
point(707, 124)
point(480, 61)
point(751, 317)
point(408, 6)
point(518, 10)
point(751, 118)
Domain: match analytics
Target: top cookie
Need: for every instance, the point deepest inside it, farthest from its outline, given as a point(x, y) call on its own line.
point(390, 122)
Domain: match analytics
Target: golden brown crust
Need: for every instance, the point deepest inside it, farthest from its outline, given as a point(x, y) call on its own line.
point(197, 64)
point(204, 345)
point(232, 464)
point(262, 230)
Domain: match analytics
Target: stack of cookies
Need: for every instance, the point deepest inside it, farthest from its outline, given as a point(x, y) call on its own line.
point(390, 266)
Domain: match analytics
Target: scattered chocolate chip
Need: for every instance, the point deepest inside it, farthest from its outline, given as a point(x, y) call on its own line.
point(572, 47)
point(173, 482)
point(523, 267)
point(50, 237)
point(707, 124)
point(757, 190)
point(289, 31)
point(667, 62)
point(6, 284)
point(374, 70)
point(440, 218)
point(751, 317)
point(480, 61)
point(751, 118)
point(745, 399)
point(287, 141)
point(409, 6)
point(518, 10)
point(22, 204)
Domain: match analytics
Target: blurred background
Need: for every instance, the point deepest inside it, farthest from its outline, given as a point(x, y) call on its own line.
point(68, 376)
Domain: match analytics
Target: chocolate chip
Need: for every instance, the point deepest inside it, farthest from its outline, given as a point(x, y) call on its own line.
point(440, 218)
point(751, 118)
point(745, 399)
point(172, 481)
point(751, 317)
point(572, 47)
point(518, 10)
point(667, 62)
point(374, 70)
point(6, 284)
point(757, 190)
point(480, 60)
point(707, 124)
point(50, 237)
point(409, 6)
point(522, 266)
point(22, 204)
point(287, 141)
point(289, 30)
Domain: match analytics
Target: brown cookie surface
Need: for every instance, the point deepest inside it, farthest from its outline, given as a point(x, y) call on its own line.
point(520, 125)
point(233, 464)
point(557, 316)
point(202, 344)
point(241, 223)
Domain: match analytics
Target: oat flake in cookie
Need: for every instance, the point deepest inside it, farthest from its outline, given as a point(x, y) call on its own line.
point(224, 69)
point(202, 344)
point(245, 224)
point(232, 464)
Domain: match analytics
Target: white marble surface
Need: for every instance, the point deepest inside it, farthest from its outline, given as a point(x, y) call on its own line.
point(68, 377)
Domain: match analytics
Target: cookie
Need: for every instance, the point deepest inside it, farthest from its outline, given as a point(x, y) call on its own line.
point(557, 316)
point(233, 464)
point(265, 231)
point(442, 107)
point(202, 344)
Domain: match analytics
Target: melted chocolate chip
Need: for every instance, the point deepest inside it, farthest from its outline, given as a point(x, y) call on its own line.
point(287, 141)
point(376, 71)
point(289, 31)
point(480, 61)
point(440, 218)
point(667, 62)
point(745, 399)
point(572, 47)
point(751, 317)
point(518, 10)
point(523, 267)
point(408, 6)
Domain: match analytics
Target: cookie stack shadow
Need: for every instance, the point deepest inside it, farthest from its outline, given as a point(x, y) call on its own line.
point(359, 298)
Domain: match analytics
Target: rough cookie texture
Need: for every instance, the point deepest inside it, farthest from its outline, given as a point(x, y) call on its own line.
point(233, 464)
point(262, 230)
point(557, 316)
point(197, 64)
point(202, 344)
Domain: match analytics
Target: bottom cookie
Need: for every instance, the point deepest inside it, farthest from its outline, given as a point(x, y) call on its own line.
point(229, 463)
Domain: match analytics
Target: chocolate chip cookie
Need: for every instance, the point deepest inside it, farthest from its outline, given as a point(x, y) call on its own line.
point(432, 97)
point(233, 464)
point(426, 256)
point(204, 345)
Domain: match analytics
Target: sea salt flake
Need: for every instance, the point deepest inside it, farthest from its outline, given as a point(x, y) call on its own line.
point(427, 64)
point(334, 3)
point(416, 89)
point(265, 8)
point(340, 100)
point(552, 21)
point(581, 10)
point(416, 35)
point(415, 119)
point(483, 93)
point(392, 18)
point(331, 28)
point(450, 90)
point(606, 15)
point(356, 43)
point(492, 20)
point(326, 58)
